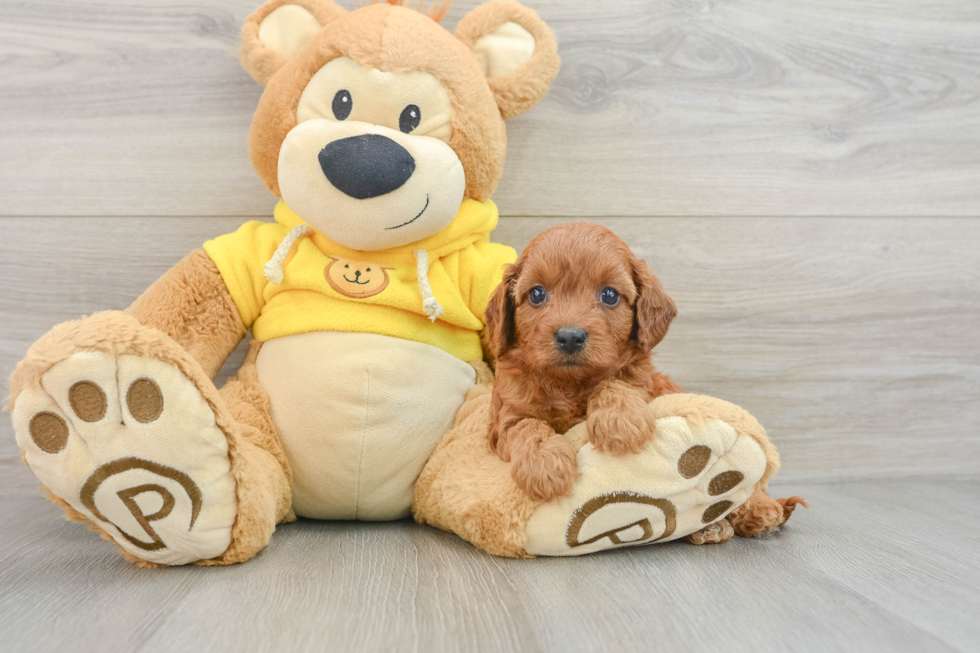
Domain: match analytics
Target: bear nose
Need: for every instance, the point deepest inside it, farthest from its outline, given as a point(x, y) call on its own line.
point(366, 166)
point(571, 339)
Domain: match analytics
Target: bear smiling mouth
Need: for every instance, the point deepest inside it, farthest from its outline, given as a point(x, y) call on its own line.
point(413, 219)
point(360, 283)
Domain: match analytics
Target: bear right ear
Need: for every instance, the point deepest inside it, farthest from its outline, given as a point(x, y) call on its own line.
point(517, 51)
point(278, 30)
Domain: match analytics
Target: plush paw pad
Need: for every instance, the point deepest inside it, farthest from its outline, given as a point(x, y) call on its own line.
point(130, 443)
point(692, 473)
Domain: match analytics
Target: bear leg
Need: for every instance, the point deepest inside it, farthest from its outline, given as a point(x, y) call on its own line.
point(128, 433)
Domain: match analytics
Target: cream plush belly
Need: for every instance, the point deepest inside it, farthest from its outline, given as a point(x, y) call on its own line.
point(358, 415)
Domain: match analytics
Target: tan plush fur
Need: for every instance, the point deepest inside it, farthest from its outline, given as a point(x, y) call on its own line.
point(436, 11)
point(396, 39)
point(191, 304)
point(521, 90)
point(260, 481)
point(262, 62)
point(188, 319)
point(466, 489)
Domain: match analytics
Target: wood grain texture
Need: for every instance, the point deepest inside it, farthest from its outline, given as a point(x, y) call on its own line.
point(665, 107)
point(854, 341)
point(871, 567)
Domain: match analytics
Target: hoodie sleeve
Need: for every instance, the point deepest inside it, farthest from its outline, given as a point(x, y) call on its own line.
point(482, 267)
point(240, 257)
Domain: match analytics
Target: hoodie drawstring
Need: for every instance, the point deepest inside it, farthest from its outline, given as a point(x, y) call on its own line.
point(430, 304)
point(273, 269)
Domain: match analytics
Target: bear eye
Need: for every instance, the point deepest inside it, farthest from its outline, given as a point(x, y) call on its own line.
point(609, 297)
point(537, 295)
point(346, 267)
point(368, 270)
point(342, 105)
point(410, 118)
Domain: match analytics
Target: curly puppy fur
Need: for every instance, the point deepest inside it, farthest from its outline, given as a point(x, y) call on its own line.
point(762, 514)
point(542, 390)
point(716, 533)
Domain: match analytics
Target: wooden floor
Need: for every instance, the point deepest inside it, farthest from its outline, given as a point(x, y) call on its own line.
point(873, 566)
point(803, 176)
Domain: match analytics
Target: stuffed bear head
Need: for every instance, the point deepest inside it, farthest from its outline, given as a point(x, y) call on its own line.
point(377, 123)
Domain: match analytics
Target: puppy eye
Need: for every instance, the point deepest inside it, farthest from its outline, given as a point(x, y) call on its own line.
point(410, 118)
point(609, 297)
point(342, 105)
point(368, 270)
point(537, 295)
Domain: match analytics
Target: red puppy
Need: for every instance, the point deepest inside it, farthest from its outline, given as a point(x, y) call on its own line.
point(572, 326)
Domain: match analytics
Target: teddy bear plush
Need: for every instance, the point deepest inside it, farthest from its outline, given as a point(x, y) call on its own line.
point(364, 394)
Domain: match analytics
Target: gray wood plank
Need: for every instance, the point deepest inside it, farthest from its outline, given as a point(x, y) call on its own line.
point(690, 107)
point(854, 341)
point(840, 577)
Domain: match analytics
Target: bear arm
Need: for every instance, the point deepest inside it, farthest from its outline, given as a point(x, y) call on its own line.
point(192, 305)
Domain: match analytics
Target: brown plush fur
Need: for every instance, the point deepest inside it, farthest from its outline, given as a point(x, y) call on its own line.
point(436, 11)
point(396, 39)
point(261, 484)
point(541, 391)
point(192, 305)
point(188, 319)
point(262, 62)
point(521, 90)
point(466, 489)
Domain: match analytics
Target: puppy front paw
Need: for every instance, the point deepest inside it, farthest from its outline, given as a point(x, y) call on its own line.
point(619, 420)
point(545, 468)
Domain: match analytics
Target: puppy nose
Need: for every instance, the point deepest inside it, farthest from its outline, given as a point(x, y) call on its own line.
point(571, 339)
point(366, 166)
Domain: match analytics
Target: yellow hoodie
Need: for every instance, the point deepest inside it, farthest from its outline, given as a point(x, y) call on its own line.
point(328, 287)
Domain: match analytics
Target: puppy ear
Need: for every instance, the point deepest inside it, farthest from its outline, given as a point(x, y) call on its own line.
point(501, 332)
point(517, 50)
point(278, 30)
point(653, 311)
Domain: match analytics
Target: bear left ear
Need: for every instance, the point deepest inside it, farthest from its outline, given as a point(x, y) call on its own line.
point(517, 50)
point(278, 30)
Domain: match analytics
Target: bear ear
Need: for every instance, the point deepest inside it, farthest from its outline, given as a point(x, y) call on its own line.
point(517, 50)
point(278, 30)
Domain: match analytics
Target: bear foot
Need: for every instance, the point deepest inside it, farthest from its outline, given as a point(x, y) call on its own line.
point(705, 458)
point(131, 444)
